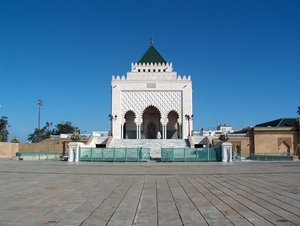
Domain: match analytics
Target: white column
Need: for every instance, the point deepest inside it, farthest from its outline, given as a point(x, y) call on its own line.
point(74, 151)
point(122, 137)
point(226, 152)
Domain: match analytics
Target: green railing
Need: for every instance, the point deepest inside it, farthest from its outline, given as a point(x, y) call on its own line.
point(191, 154)
point(114, 154)
point(37, 156)
point(264, 157)
point(271, 157)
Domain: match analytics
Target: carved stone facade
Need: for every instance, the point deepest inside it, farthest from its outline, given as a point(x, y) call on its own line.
point(151, 101)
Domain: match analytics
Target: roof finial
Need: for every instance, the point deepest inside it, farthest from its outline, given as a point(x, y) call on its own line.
point(151, 41)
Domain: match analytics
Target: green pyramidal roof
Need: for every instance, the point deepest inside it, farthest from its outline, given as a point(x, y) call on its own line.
point(152, 56)
point(282, 122)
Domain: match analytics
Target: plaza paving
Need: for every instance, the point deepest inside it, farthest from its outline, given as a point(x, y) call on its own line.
point(153, 193)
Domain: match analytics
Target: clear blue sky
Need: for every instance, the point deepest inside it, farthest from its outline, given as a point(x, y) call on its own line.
point(243, 56)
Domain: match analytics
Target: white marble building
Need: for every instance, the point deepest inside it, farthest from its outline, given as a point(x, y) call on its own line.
point(151, 101)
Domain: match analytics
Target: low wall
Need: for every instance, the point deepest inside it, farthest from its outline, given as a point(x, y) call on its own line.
point(8, 149)
point(59, 146)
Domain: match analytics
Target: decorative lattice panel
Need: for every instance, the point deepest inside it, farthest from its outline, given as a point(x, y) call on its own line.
point(164, 101)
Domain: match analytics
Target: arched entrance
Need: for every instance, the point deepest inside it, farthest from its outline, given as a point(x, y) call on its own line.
point(238, 151)
point(151, 131)
point(173, 126)
point(284, 148)
point(151, 122)
point(129, 128)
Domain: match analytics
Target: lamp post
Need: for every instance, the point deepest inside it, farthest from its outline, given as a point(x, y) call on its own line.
point(189, 118)
point(39, 103)
point(111, 118)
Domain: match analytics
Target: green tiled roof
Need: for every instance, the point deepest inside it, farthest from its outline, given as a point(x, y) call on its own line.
point(282, 122)
point(152, 56)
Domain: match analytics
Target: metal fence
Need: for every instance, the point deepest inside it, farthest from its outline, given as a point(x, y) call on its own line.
point(263, 157)
point(114, 154)
point(213, 154)
point(37, 156)
point(191, 154)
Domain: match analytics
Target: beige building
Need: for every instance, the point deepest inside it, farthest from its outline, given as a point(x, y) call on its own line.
point(280, 136)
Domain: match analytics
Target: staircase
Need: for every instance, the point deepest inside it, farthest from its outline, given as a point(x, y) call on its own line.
point(155, 145)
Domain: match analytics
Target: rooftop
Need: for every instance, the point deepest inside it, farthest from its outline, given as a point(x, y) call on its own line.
point(282, 122)
point(152, 56)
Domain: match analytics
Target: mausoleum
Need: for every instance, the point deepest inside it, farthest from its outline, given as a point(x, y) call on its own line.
point(151, 101)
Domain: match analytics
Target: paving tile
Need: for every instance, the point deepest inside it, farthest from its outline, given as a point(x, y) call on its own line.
point(152, 193)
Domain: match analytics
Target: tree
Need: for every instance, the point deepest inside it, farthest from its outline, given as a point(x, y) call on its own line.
point(3, 129)
point(15, 140)
point(298, 111)
point(33, 138)
point(61, 128)
point(64, 128)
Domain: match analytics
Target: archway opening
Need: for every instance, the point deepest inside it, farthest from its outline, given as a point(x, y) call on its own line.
point(129, 127)
point(151, 123)
point(284, 148)
point(238, 151)
point(173, 126)
point(151, 131)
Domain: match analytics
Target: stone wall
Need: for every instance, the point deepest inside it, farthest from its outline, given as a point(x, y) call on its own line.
point(42, 147)
point(8, 149)
point(240, 145)
point(274, 140)
point(59, 146)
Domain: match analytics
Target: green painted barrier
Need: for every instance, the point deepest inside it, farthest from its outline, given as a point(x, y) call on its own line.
point(191, 154)
point(270, 157)
point(37, 156)
point(114, 154)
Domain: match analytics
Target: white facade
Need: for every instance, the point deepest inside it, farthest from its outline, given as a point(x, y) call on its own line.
point(151, 102)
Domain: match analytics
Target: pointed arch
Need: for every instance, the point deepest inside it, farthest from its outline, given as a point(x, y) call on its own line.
point(173, 125)
point(129, 128)
point(238, 150)
point(284, 148)
point(151, 125)
point(151, 106)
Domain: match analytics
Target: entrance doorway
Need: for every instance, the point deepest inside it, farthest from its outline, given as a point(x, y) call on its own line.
point(151, 131)
point(129, 129)
point(151, 122)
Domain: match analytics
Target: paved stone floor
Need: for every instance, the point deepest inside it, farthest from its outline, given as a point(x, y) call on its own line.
point(153, 193)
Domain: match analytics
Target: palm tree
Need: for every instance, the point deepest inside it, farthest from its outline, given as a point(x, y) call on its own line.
point(298, 111)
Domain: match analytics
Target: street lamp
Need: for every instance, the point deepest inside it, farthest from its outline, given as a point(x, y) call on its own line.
point(111, 118)
point(39, 103)
point(189, 118)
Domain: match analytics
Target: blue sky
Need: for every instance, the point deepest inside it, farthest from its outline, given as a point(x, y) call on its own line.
point(243, 57)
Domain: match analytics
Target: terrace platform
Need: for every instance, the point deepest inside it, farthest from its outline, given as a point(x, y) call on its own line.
point(152, 193)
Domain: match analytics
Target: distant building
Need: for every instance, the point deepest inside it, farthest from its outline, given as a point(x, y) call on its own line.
point(281, 136)
point(220, 129)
